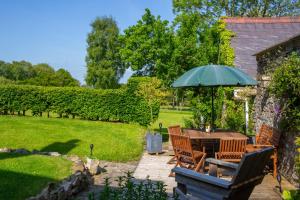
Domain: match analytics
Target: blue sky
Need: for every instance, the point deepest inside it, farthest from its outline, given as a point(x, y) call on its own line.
point(55, 31)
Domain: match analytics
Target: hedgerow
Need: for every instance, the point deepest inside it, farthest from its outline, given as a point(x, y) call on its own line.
point(122, 105)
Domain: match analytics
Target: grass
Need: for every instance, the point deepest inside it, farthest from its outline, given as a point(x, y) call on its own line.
point(168, 118)
point(22, 176)
point(112, 141)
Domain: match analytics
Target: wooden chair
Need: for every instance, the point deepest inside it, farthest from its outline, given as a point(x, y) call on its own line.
point(248, 173)
point(175, 130)
point(231, 150)
point(185, 155)
point(267, 137)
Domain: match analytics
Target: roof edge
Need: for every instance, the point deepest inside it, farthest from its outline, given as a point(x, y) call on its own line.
point(261, 20)
point(277, 45)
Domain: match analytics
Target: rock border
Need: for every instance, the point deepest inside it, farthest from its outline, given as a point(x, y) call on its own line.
point(79, 180)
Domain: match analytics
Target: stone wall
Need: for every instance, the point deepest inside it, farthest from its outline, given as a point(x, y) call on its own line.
point(267, 109)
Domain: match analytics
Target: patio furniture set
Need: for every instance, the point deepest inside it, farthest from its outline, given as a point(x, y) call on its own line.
point(221, 165)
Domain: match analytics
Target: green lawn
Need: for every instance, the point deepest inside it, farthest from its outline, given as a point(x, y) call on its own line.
point(22, 176)
point(169, 118)
point(112, 141)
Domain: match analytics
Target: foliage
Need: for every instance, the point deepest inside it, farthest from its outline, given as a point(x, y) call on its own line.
point(285, 85)
point(248, 8)
point(128, 188)
point(41, 74)
point(106, 105)
point(23, 176)
point(150, 90)
point(112, 141)
point(147, 46)
point(291, 195)
point(104, 65)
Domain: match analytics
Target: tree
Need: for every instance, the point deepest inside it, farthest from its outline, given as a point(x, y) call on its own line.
point(104, 65)
point(150, 90)
point(64, 78)
point(232, 8)
point(148, 45)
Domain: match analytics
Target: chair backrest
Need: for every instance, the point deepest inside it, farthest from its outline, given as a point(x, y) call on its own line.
point(175, 130)
point(252, 166)
point(181, 143)
point(233, 145)
point(268, 136)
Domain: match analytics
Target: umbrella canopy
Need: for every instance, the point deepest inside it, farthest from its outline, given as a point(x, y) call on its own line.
point(214, 75)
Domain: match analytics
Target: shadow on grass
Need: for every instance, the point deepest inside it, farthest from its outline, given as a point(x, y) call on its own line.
point(61, 147)
point(17, 186)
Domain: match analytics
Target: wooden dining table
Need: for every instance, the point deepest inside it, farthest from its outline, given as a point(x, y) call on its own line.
point(211, 141)
point(196, 134)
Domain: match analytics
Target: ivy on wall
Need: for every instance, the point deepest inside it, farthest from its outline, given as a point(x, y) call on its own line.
point(285, 85)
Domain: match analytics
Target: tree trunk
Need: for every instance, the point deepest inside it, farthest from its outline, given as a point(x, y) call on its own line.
point(24, 112)
point(48, 114)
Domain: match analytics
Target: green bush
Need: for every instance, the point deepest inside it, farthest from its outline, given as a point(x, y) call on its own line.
point(129, 188)
point(121, 105)
point(285, 85)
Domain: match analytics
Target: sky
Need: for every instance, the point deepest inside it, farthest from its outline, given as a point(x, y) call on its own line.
point(55, 31)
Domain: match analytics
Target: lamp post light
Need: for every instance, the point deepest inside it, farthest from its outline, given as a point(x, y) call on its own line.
point(91, 148)
point(160, 127)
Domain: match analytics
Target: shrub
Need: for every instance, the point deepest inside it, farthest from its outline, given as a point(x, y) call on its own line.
point(285, 85)
point(130, 189)
point(107, 105)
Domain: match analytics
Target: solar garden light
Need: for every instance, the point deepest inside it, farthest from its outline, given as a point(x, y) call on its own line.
point(91, 148)
point(160, 127)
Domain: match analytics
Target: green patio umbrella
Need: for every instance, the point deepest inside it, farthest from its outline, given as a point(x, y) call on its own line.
point(214, 76)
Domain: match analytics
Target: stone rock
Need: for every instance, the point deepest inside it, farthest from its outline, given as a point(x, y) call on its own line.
point(65, 189)
point(78, 166)
point(34, 151)
point(5, 150)
point(93, 166)
point(55, 154)
point(73, 158)
point(22, 151)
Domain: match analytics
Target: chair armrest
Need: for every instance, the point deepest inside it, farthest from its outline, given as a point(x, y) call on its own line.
point(262, 145)
point(222, 163)
point(201, 177)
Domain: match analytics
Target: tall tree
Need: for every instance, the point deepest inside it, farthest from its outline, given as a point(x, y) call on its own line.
point(64, 78)
point(232, 8)
point(104, 65)
point(148, 45)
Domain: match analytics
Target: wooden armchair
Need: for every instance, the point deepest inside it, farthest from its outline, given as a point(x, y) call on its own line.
point(185, 156)
point(175, 130)
point(248, 173)
point(267, 137)
point(231, 150)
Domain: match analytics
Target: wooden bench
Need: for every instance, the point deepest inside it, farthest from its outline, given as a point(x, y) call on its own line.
point(248, 173)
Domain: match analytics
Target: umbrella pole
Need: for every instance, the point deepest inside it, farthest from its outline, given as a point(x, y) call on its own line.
point(212, 110)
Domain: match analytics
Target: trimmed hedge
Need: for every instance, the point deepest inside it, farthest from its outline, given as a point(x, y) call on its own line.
point(121, 105)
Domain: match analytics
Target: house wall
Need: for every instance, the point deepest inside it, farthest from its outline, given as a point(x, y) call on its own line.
point(267, 106)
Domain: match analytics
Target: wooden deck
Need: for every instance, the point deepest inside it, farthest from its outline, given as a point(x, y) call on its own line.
point(157, 169)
